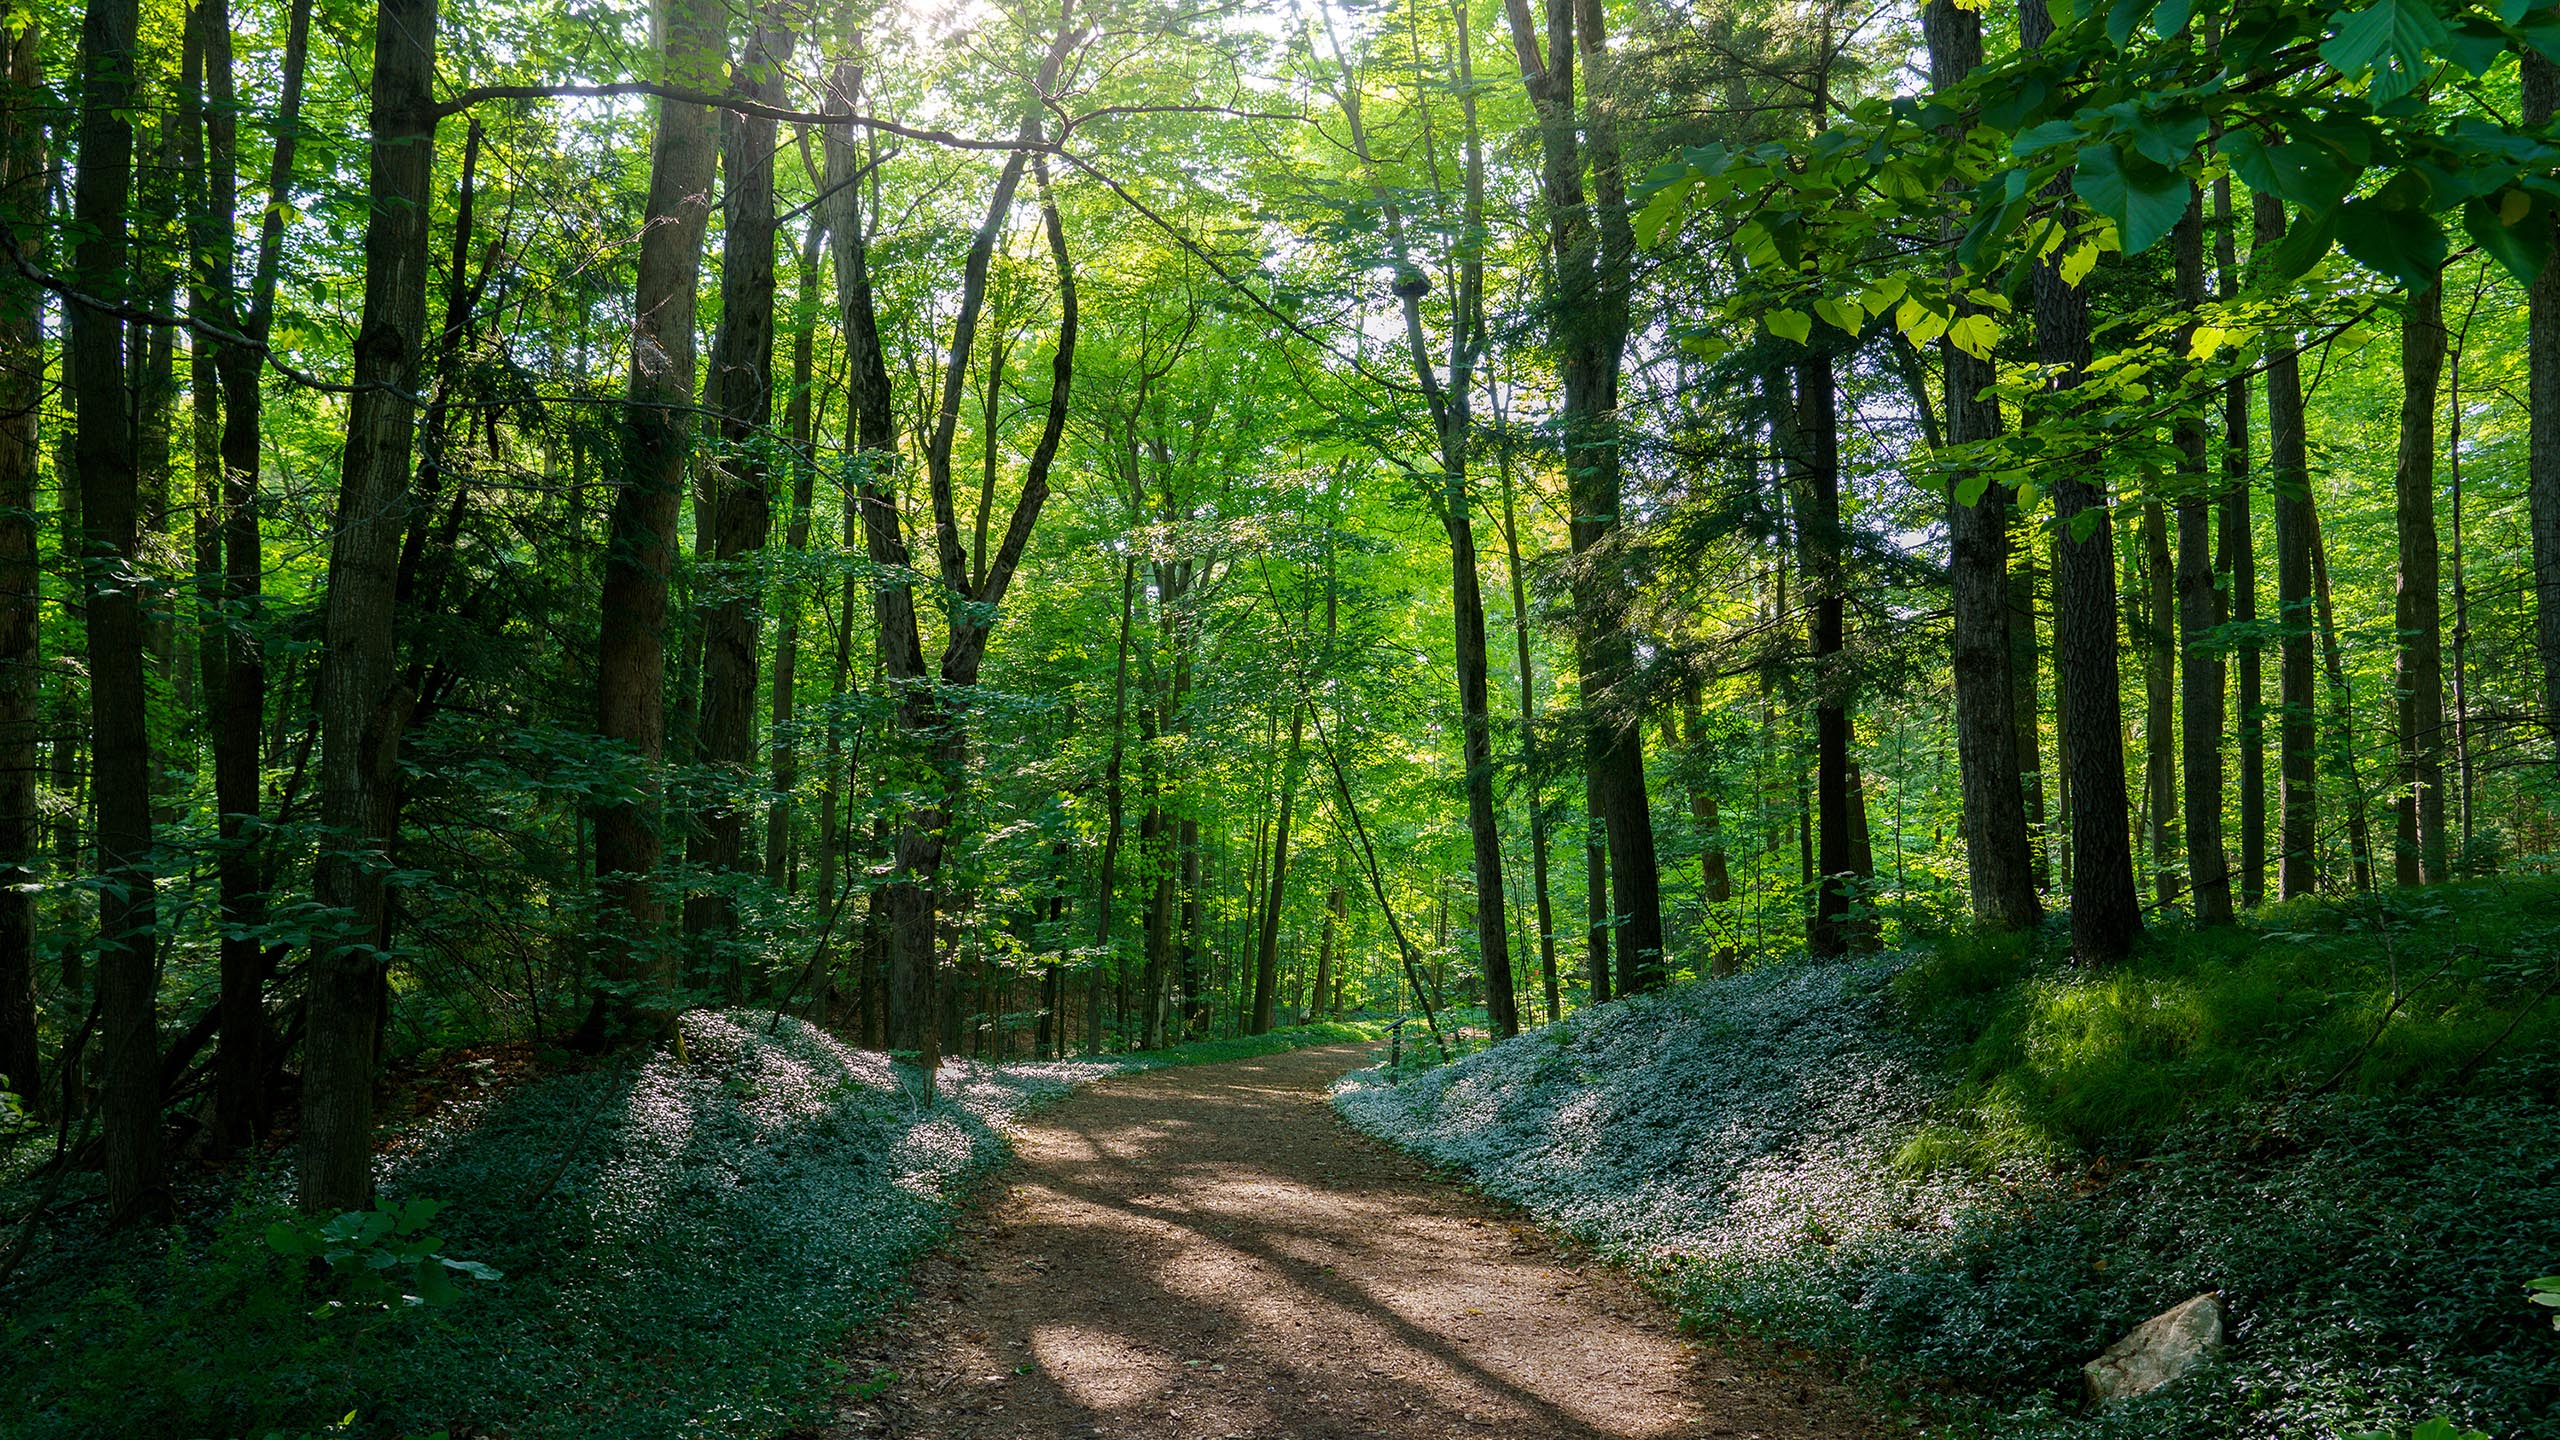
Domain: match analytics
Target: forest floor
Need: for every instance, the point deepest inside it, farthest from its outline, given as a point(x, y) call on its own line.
point(1209, 1252)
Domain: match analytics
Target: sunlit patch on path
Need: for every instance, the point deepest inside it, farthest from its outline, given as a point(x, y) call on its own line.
point(1208, 1252)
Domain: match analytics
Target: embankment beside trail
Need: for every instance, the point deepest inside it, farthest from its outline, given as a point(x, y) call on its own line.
point(1956, 1176)
point(683, 1243)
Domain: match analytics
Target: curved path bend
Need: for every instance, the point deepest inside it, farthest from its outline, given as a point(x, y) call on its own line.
point(1209, 1252)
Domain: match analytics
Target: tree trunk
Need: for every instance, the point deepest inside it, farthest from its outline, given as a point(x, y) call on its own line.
point(1815, 450)
point(22, 166)
point(2298, 864)
point(1592, 252)
point(2342, 721)
point(2199, 615)
point(741, 376)
point(2420, 855)
point(103, 438)
point(778, 869)
point(2239, 563)
point(2106, 911)
point(1538, 836)
point(635, 957)
point(2159, 701)
point(1327, 1000)
point(1997, 861)
point(363, 710)
point(1595, 889)
point(1107, 883)
point(2542, 488)
point(1266, 961)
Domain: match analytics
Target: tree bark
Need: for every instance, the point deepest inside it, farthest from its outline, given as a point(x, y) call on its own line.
point(778, 869)
point(2289, 475)
point(111, 569)
point(2106, 910)
point(363, 710)
point(1539, 839)
point(2200, 664)
point(1997, 859)
point(635, 957)
point(2542, 468)
point(741, 376)
point(2420, 854)
point(2238, 562)
point(2159, 650)
point(1266, 962)
point(22, 385)
point(1592, 252)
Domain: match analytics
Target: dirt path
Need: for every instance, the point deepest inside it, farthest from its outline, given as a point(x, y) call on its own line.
point(1209, 1252)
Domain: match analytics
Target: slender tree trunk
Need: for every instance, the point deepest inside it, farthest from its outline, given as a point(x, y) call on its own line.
point(778, 869)
point(363, 708)
point(2342, 723)
point(741, 375)
point(2025, 721)
point(1107, 883)
point(22, 166)
point(2420, 855)
point(1538, 822)
point(111, 568)
point(2199, 615)
point(2106, 911)
point(2159, 701)
point(1327, 1000)
point(2542, 487)
point(635, 956)
point(1997, 862)
point(1266, 963)
point(1595, 889)
point(1823, 536)
point(2298, 867)
point(2239, 564)
point(1715, 875)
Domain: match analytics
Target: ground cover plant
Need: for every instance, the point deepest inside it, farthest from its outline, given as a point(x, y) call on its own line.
point(1959, 1173)
point(674, 1246)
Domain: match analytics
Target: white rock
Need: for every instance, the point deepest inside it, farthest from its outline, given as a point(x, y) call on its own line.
point(2158, 1352)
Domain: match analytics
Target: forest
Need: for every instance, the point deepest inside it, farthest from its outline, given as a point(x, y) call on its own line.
point(1894, 670)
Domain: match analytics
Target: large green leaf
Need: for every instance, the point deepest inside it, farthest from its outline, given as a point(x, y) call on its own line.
point(2403, 242)
point(2395, 39)
point(2145, 200)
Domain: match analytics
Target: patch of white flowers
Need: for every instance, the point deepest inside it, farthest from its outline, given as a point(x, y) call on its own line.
point(1731, 1120)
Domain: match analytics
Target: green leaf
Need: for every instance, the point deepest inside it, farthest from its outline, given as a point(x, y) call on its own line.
point(2303, 245)
point(1661, 210)
point(2145, 200)
point(2523, 248)
point(2125, 17)
point(2307, 175)
point(2045, 137)
point(1975, 335)
point(2402, 242)
point(1789, 325)
point(2392, 38)
point(1841, 315)
point(2172, 17)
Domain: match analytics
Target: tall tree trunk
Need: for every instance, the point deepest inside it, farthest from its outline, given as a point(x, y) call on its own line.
point(1715, 875)
point(2025, 714)
point(2420, 855)
point(1106, 884)
point(1592, 254)
point(1995, 818)
point(2542, 470)
point(111, 568)
point(2342, 721)
point(1266, 961)
point(363, 710)
point(1595, 889)
point(1538, 821)
point(22, 166)
point(1816, 434)
point(741, 375)
point(2199, 616)
point(2238, 561)
point(1326, 997)
point(778, 869)
point(635, 957)
point(2159, 701)
point(2106, 911)
point(2289, 475)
